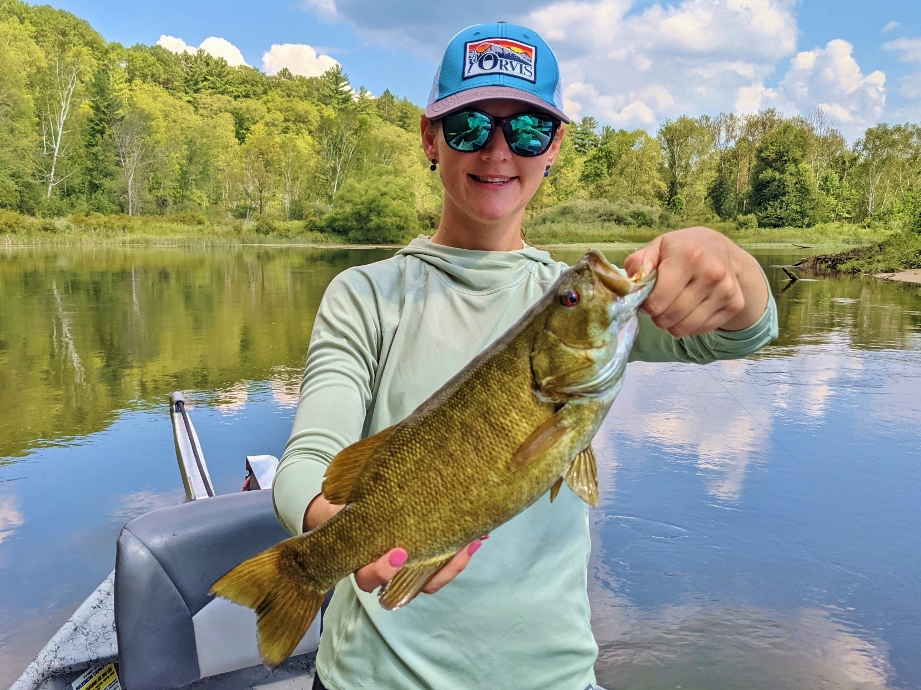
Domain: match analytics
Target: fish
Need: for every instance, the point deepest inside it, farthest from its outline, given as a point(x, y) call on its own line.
point(514, 424)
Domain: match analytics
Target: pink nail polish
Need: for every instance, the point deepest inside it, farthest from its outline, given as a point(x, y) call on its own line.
point(472, 549)
point(398, 558)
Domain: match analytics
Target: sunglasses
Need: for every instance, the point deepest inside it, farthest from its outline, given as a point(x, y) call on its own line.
point(528, 134)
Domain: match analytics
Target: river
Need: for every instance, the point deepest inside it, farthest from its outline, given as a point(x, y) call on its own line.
point(758, 523)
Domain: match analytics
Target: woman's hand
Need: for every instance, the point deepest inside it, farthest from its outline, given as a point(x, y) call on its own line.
point(705, 282)
point(383, 570)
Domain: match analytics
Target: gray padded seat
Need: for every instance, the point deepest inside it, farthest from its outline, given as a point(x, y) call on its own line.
point(169, 631)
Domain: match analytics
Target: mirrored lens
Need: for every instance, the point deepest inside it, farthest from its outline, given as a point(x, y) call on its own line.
point(467, 130)
point(529, 135)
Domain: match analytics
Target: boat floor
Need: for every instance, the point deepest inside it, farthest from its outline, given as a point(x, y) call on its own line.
point(294, 674)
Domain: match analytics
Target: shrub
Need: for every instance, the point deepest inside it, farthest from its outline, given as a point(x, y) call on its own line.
point(603, 211)
point(747, 221)
point(187, 218)
point(380, 208)
point(263, 226)
point(11, 222)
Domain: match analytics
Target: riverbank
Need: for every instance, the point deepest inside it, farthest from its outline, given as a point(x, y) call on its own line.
point(895, 257)
point(192, 230)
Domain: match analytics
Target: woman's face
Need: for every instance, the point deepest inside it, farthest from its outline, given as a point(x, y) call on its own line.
point(492, 185)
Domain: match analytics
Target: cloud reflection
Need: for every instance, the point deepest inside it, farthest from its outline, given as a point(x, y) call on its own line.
point(10, 516)
point(698, 413)
point(758, 649)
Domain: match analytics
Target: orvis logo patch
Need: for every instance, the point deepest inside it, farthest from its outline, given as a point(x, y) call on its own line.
point(501, 56)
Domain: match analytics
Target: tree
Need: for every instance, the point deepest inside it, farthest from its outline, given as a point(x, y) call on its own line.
point(260, 156)
point(59, 91)
point(686, 147)
point(101, 155)
point(336, 90)
point(297, 162)
point(339, 140)
point(131, 135)
point(18, 57)
point(783, 188)
point(584, 135)
point(381, 208)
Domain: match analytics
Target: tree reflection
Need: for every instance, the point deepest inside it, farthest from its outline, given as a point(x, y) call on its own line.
point(85, 334)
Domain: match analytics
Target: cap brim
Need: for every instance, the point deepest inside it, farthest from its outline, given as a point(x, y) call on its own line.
point(459, 100)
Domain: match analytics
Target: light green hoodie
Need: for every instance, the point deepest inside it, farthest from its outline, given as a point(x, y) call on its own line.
point(387, 336)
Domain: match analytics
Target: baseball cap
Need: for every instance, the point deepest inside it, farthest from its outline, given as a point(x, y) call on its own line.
point(497, 60)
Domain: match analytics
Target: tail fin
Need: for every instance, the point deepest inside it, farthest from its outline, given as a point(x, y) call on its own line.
point(285, 607)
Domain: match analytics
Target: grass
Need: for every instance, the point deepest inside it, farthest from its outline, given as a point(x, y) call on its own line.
point(828, 234)
point(190, 229)
point(18, 230)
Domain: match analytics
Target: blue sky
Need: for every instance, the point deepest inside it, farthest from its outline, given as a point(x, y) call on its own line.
point(626, 62)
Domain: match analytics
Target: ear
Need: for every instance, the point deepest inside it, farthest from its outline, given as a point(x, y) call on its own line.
point(429, 129)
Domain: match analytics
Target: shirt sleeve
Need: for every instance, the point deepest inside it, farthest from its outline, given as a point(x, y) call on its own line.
point(335, 394)
point(655, 345)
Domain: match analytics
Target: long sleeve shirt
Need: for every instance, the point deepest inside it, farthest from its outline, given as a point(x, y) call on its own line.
point(386, 337)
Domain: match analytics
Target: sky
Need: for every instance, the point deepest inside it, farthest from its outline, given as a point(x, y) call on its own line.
point(628, 63)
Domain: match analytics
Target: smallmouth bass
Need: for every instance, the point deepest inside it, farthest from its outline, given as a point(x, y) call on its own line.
point(514, 424)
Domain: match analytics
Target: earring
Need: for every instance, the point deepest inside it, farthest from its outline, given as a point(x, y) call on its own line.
point(547, 171)
point(434, 165)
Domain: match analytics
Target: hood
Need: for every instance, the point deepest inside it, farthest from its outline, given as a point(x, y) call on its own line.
point(478, 270)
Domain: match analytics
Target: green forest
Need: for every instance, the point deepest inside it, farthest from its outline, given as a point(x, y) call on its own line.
point(97, 137)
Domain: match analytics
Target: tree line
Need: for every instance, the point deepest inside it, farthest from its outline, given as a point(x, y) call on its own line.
point(92, 127)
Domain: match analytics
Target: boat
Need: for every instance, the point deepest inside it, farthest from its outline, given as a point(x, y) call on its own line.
point(151, 624)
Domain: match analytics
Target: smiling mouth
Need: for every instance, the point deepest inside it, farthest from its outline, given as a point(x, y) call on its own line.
point(492, 179)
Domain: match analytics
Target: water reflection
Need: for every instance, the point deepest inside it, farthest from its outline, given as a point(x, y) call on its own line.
point(757, 518)
point(10, 516)
point(692, 648)
point(87, 333)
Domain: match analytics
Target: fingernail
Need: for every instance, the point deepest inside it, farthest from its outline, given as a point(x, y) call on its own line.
point(484, 537)
point(472, 549)
point(398, 558)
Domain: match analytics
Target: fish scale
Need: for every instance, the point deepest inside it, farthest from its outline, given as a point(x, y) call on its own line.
point(480, 450)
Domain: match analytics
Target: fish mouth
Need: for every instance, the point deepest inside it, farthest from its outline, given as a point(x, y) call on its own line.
point(616, 281)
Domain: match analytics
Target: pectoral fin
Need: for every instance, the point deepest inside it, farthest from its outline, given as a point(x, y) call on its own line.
point(582, 477)
point(541, 440)
point(408, 582)
point(347, 465)
point(555, 489)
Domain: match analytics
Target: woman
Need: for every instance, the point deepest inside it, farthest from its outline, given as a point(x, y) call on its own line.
point(389, 334)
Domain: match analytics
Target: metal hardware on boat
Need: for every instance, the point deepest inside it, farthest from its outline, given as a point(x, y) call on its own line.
point(192, 466)
point(260, 472)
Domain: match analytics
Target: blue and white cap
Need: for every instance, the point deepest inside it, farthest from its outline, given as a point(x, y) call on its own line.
point(497, 60)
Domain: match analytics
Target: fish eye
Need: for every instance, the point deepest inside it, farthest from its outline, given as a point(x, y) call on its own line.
point(569, 298)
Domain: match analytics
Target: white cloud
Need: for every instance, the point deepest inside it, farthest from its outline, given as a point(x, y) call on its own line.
point(910, 49)
point(890, 26)
point(634, 64)
point(831, 79)
point(176, 45)
point(298, 58)
point(220, 47)
point(636, 69)
point(214, 46)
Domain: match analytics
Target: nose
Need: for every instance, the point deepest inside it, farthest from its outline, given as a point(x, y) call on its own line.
point(497, 149)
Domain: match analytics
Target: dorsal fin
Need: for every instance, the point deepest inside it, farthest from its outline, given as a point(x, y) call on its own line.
point(348, 465)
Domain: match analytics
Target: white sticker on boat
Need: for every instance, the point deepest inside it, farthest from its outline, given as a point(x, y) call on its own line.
point(99, 678)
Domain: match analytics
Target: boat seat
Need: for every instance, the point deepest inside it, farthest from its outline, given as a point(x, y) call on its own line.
point(170, 631)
